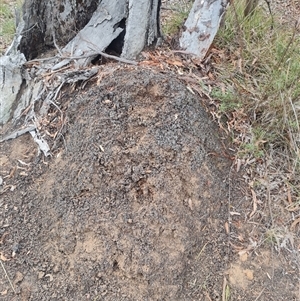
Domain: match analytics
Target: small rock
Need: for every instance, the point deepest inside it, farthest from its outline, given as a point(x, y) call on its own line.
point(1, 181)
point(18, 277)
point(56, 268)
point(243, 257)
point(15, 249)
point(41, 275)
point(249, 274)
point(50, 277)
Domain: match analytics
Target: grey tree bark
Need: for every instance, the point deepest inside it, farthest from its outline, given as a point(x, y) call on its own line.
point(202, 25)
point(78, 31)
point(77, 22)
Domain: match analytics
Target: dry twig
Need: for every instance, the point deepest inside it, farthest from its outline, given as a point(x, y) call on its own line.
point(259, 294)
point(7, 276)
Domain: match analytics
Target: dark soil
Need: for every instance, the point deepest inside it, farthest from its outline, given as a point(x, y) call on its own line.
point(133, 205)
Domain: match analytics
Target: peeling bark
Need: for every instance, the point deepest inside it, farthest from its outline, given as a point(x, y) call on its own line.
point(142, 26)
point(10, 84)
point(81, 23)
point(80, 31)
point(202, 25)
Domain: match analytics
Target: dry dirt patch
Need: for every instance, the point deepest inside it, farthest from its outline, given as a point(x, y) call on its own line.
point(131, 206)
point(136, 203)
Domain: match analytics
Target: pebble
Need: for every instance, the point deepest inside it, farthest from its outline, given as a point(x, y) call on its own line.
point(41, 275)
point(18, 277)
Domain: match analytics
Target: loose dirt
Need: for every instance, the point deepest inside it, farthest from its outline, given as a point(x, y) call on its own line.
point(134, 204)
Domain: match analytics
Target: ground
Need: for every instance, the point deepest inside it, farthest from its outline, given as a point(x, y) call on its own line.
point(139, 201)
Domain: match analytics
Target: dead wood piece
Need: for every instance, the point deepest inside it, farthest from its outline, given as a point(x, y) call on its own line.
point(102, 29)
point(202, 25)
point(18, 133)
point(10, 84)
point(43, 145)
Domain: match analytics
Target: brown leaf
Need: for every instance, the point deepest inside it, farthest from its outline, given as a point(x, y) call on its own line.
point(289, 196)
point(175, 63)
point(3, 293)
point(294, 224)
point(226, 227)
point(3, 258)
point(293, 207)
point(236, 248)
point(254, 203)
point(18, 277)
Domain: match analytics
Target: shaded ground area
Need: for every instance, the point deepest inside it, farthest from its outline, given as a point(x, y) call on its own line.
point(133, 205)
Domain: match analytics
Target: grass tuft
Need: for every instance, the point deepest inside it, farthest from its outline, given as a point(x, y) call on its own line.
point(261, 68)
point(8, 22)
point(175, 17)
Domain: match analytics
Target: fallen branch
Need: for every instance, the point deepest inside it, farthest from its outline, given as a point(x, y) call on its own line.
point(109, 56)
point(7, 277)
point(259, 294)
point(19, 133)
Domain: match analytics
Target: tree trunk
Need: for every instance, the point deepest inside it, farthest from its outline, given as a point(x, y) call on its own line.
point(53, 19)
point(81, 23)
point(79, 31)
